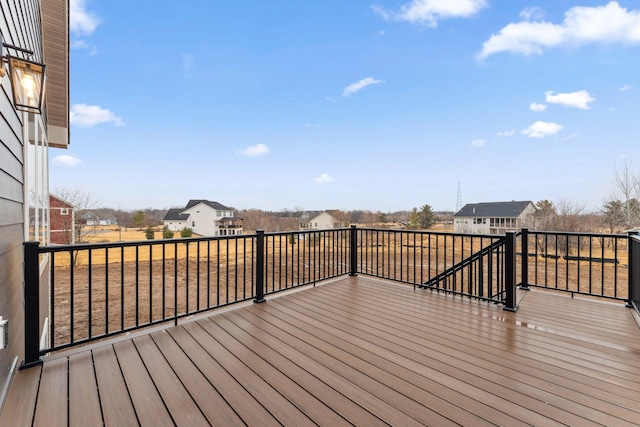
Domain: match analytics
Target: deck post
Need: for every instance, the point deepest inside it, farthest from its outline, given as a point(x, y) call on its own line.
point(259, 267)
point(31, 306)
point(510, 271)
point(634, 270)
point(524, 238)
point(353, 251)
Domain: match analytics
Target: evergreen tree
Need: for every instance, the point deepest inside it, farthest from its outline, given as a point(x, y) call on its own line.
point(414, 219)
point(427, 217)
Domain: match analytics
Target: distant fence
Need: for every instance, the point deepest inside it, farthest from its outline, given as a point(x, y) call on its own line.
point(98, 290)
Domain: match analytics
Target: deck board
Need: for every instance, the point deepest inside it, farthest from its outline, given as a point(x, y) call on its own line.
point(84, 401)
point(52, 396)
point(117, 408)
point(20, 403)
point(149, 406)
point(355, 351)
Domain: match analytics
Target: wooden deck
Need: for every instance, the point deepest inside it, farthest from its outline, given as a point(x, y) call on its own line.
point(357, 351)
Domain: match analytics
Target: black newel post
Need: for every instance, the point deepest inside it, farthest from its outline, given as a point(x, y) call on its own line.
point(353, 251)
point(259, 267)
point(31, 306)
point(510, 271)
point(633, 292)
point(524, 235)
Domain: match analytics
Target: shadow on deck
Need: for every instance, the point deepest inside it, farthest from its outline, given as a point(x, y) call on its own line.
point(355, 350)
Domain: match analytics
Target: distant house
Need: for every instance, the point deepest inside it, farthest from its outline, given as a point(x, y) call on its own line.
point(61, 221)
point(97, 217)
point(319, 220)
point(493, 217)
point(205, 218)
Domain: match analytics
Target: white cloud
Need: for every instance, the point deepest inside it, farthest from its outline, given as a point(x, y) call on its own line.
point(66, 160)
point(255, 150)
point(504, 133)
point(582, 25)
point(579, 99)
point(429, 12)
point(532, 13)
point(541, 129)
point(355, 87)
point(537, 107)
point(625, 88)
point(478, 142)
point(80, 20)
point(81, 44)
point(84, 115)
point(323, 179)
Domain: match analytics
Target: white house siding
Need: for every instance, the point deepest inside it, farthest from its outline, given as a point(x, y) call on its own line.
point(202, 219)
point(322, 221)
point(20, 26)
point(175, 225)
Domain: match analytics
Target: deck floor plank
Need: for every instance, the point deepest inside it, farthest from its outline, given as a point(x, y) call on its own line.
point(20, 403)
point(302, 398)
point(282, 358)
point(457, 358)
point(242, 402)
point(52, 396)
point(282, 409)
point(179, 402)
point(426, 407)
point(372, 402)
point(212, 404)
point(84, 400)
point(423, 366)
point(352, 351)
point(146, 400)
point(115, 401)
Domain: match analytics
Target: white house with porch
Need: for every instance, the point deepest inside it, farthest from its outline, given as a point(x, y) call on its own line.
point(493, 217)
point(205, 218)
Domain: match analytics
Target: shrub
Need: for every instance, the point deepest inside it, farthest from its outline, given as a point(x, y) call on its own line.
point(166, 233)
point(150, 233)
point(186, 232)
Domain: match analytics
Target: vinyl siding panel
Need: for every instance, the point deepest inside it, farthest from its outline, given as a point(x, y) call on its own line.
point(20, 26)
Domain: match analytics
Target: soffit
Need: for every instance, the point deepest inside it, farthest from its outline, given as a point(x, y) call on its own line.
point(55, 40)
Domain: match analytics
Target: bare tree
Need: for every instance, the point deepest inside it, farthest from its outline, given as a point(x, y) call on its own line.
point(82, 202)
point(626, 183)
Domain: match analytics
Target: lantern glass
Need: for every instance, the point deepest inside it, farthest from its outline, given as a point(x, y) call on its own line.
point(27, 82)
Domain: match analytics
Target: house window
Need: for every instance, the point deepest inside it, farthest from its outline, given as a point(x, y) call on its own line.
point(36, 187)
point(218, 213)
point(64, 211)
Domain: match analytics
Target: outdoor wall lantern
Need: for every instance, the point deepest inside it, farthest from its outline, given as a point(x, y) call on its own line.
point(27, 79)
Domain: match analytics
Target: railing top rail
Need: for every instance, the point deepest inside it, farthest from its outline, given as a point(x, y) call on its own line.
point(307, 231)
point(106, 245)
point(578, 233)
point(432, 233)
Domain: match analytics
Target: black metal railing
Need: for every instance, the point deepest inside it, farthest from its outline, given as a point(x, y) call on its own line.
point(462, 264)
point(578, 263)
point(99, 290)
point(634, 271)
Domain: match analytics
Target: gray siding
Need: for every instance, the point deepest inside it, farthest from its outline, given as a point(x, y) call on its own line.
point(20, 26)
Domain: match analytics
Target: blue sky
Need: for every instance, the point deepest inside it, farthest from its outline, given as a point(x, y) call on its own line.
point(381, 105)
